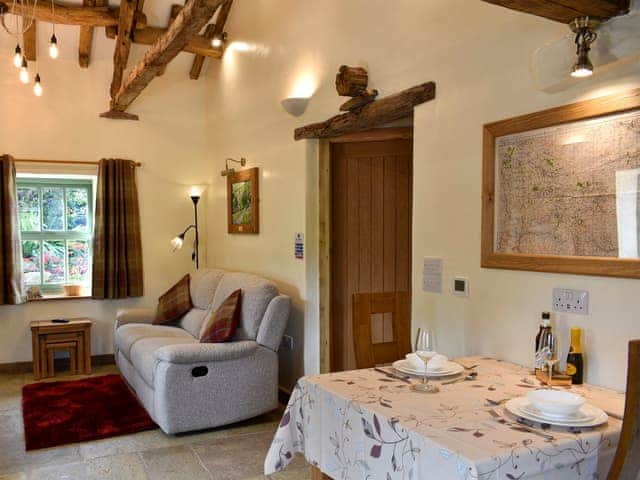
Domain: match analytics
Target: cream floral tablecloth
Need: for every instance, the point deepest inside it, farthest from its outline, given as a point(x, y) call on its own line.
point(364, 425)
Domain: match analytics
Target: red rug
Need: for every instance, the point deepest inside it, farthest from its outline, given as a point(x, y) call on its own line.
point(56, 413)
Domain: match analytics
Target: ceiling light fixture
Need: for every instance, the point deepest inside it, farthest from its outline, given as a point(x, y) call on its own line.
point(24, 71)
point(584, 28)
point(37, 86)
point(218, 40)
point(53, 45)
point(17, 58)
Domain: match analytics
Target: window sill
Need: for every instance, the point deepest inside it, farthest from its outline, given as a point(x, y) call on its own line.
point(47, 298)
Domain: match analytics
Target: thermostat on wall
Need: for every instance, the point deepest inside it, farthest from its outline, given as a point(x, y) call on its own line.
point(461, 286)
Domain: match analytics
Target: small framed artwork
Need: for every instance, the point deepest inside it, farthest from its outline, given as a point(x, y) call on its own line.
point(561, 189)
point(243, 201)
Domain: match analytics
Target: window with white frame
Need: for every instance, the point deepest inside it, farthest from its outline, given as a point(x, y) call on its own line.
point(56, 220)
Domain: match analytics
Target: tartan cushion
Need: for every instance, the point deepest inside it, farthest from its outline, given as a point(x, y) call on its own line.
point(221, 326)
point(174, 303)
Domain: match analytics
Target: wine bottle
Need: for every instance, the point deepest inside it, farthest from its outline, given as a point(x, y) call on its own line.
point(575, 364)
point(545, 342)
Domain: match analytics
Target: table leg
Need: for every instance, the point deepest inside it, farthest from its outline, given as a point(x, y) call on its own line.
point(87, 351)
point(44, 372)
point(35, 349)
point(51, 368)
point(316, 474)
point(73, 359)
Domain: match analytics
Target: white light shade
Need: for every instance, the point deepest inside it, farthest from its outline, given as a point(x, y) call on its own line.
point(176, 243)
point(296, 106)
point(582, 72)
point(196, 190)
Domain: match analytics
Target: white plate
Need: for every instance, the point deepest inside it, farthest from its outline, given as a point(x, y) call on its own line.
point(594, 416)
point(450, 368)
point(579, 416)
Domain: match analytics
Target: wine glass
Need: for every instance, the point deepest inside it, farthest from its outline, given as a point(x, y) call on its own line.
point(425, 349)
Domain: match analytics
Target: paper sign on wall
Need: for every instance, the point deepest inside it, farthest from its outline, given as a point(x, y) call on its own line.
point(299, 245)
point(432, 274)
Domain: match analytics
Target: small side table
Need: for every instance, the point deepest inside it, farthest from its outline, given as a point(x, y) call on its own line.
point(48, 337)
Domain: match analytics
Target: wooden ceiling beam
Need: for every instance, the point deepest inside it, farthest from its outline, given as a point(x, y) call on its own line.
point(74, 14)
point(565, 11)
point(197, 44)
point(29, 42)
point(86, 36)
point(126, 25)
point(175, 10)
point(386, 110)
point(211, 31)
point(193, 17)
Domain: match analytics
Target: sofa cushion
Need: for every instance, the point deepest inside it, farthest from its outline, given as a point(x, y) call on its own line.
point(127, 335)
point(143, 355)
point(204, 283)
point(192, 321)
point(174, 303)
point(256, 295)
point(221, 325)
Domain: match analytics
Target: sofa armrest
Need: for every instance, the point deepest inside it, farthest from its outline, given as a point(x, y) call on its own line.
point(206, 352)
point(134, 315)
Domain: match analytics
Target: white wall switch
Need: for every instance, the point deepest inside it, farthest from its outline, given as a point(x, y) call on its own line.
point(461, 286)
point(432, 274)
point(571, 301)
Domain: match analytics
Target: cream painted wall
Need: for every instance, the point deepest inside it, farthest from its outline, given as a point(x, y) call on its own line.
point(479, 55)
point(170, 141)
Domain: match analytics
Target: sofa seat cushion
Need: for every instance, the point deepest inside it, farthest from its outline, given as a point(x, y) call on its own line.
point(143, 354)
point(127, 335)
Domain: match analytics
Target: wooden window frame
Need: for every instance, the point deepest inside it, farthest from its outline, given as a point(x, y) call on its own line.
point(62, 235)
point(589, 109)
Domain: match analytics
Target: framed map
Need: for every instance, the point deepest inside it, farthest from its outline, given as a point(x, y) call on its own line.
point(561, 189)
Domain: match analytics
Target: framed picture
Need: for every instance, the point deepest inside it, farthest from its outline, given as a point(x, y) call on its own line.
point(243, 202)
point(561, 189)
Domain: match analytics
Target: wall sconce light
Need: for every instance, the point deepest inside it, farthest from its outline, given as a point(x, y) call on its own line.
point(584, 28)
point(178, 241)
point(218, 40)
point(229, 171)
point(295, 106)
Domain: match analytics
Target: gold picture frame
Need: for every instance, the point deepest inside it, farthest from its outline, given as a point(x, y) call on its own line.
point(243, 200)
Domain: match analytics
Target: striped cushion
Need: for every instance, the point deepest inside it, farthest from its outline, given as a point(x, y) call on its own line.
point(221, 326)
point(174, 303)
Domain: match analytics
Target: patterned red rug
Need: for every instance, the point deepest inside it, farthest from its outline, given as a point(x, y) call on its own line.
point(56, 413)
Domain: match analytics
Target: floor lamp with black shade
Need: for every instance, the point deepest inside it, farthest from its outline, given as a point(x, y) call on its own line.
point(178, 241)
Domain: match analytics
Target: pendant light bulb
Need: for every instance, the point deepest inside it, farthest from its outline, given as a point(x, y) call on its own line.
point(24, 72)
point(37, 86)
point(17, 58)
point(53, 47)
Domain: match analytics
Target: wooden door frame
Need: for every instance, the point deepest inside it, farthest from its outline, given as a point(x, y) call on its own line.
point(324, 224)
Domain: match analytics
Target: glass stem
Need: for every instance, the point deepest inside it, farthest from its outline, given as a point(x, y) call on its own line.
point(425, 380)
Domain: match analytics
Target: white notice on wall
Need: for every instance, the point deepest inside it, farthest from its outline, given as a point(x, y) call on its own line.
point(432, 274)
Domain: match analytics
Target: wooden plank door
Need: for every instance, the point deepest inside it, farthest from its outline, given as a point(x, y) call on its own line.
point(371, 203)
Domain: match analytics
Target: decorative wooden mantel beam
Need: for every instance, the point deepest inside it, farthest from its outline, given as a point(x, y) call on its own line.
point(198, 44)
point(387, 109)
point(193, 17)
point(72, 14)
point(565, 11)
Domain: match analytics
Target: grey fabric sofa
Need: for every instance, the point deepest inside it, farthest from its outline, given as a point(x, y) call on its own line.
point(186, 385)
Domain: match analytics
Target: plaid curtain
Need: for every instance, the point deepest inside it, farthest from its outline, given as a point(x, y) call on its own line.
point(10, 242)
point(117, 247)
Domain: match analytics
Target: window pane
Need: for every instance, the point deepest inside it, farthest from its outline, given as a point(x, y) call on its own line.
point(53, 259)
point(77, 208)
point(52, 209)
point(29, 209)
point(31, 262)
point(78, 261)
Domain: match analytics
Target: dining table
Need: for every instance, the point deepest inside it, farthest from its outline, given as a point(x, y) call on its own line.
point(370, 424)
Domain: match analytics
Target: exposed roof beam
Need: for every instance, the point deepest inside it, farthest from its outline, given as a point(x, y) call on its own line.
point(175, 10)
point(126, 24)
point(86, 36)
point(193, 17)
point(210, 32)
point(387, 109)
point(198, 44)
point(29, 40)
point(73, 14)
point(565, 11)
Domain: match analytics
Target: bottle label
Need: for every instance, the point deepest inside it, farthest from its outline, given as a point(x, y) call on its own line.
point(571, 369)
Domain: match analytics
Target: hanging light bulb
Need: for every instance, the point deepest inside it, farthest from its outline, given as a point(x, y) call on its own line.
point(24, 72)
point(53, 47)
point(584, 28)
point(37, 86)
point(17, 58)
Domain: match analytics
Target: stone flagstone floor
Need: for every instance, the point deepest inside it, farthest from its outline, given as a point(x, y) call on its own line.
point(235, 452)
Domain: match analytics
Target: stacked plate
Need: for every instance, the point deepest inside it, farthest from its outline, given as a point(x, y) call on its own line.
point(448, 368)
point(556, 407)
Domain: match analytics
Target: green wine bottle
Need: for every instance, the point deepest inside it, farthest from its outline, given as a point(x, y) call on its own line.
point(575, 362)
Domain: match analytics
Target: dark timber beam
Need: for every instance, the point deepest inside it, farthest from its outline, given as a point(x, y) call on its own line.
point(565, 11)
point(29, 40)
point(126, 24)
point(210, 32)
point(193, 17)
point(379, 112)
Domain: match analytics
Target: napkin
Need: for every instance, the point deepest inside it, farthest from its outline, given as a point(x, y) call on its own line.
point(437, 362)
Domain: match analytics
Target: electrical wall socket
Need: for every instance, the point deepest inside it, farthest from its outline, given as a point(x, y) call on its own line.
point(287, 342)
point(571, 301)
